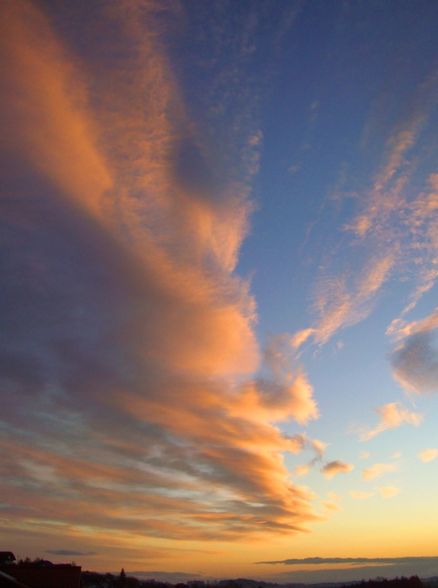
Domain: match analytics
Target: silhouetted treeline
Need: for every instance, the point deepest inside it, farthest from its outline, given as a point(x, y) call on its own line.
point(412, 582)
point(96, 580)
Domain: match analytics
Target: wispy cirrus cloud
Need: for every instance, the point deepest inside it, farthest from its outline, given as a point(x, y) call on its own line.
point(393, 229)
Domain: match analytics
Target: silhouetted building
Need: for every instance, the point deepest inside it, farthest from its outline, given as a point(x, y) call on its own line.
point(6, 557)
point(8, 581)
point(38, 574)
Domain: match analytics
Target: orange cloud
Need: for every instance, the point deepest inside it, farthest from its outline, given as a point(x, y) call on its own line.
point(45, 110)
point(392, 415)
point(428, 455)
point(145, 350)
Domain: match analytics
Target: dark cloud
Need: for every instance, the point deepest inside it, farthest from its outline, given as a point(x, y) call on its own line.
point(415, 363)
point(353, 560)
point(333, 468)
point(350, 569)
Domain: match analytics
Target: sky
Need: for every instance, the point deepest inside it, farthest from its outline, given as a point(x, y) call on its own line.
point(219, 264)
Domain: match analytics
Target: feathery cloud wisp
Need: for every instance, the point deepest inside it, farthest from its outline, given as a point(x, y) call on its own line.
point(392, 415)
point(395, 228)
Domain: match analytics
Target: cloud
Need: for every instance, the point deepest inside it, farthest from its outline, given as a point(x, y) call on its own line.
point(68, 552)
point(428, 455)
point(57, 100)
point(340, 304)
point(389, 491)
point(345, 569)
point(302, 470)
point(129, 336)
point(402, 329)
point(415, 363)
point(392, 232)
point(299, 338)
point(323, 561)
point(333, 502)
point(377, 470)
point(392, 415)
point(333, 468)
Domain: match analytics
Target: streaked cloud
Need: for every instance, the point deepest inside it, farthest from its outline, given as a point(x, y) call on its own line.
point(428, 455)
point(345, 569)
point(391, 416)
point(352, 560)
point(70, 552)
point(140, 411)
point(139, 362)
point(333, 468)
point(378, 469)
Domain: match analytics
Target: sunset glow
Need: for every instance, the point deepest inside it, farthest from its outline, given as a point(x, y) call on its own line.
point(219, 286)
